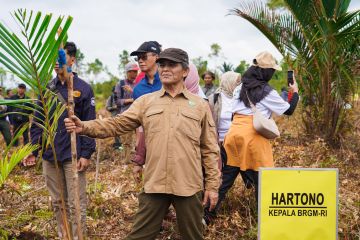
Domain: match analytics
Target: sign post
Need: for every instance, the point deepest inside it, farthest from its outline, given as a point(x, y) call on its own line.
point(298, 203)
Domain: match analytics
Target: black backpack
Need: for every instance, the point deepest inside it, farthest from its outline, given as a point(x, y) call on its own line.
point(122, 84)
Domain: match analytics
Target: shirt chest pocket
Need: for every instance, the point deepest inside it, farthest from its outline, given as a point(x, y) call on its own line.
point(154, 120)
point(190, 125)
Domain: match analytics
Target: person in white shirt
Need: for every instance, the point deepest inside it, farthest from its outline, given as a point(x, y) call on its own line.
point(221, 107)
point(246, 149)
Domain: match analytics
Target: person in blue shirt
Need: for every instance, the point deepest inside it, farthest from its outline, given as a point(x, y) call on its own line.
point(146, 55)
point(85, 110)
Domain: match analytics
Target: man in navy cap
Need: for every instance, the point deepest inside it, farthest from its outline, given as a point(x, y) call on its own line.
point(146, 55)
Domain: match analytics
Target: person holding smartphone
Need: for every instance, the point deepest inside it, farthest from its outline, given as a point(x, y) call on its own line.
point(246, 149)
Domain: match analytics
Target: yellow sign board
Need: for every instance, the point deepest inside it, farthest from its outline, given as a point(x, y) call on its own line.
point(298, 204)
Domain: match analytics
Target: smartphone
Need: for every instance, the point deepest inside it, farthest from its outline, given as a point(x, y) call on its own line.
point(290, 77)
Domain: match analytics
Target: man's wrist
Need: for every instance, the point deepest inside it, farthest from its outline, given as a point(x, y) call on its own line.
point(214, 190)
point(82, 127)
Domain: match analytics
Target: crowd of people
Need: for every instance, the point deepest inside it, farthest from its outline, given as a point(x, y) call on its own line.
point(188, 142)
point(12, 119)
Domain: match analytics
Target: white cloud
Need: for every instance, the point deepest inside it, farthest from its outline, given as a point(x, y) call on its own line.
point(102, 29)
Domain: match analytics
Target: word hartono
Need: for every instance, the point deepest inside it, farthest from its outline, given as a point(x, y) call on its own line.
point(298, 204)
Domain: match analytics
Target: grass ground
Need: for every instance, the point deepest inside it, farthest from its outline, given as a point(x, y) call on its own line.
point(25, 209)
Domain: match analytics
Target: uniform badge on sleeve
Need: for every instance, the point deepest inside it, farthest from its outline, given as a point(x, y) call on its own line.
point(92, 102)
point(77, 93)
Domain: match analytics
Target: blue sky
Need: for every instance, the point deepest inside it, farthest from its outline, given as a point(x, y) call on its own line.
point(102, 29)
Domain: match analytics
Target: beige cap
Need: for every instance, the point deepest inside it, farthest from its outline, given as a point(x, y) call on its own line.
point(266, 60)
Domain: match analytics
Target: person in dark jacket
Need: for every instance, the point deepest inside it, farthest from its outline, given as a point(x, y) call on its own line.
point(4, 125)
point(124, 91)
point(112, 107)
point(85, 110)
point(20, 115)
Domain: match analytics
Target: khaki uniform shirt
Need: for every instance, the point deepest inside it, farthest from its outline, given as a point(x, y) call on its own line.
point(180, 138)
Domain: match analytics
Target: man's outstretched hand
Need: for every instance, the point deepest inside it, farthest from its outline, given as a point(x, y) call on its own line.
point(73, 124)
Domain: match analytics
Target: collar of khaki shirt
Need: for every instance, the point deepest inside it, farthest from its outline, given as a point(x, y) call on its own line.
point(184, 92)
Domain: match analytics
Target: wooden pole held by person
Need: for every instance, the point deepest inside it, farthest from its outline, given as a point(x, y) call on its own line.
point(66, 73)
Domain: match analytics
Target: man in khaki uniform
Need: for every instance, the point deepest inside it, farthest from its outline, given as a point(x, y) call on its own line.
point(180, 138)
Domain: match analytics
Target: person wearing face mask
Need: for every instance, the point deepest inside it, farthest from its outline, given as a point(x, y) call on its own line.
point(220, 104)
point(245, 148)
point(60, 173)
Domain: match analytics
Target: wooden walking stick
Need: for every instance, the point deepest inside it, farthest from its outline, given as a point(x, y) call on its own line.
point(66, 72)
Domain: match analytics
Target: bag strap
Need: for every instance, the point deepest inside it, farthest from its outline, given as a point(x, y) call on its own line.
point(253, 107)
point(122, 84)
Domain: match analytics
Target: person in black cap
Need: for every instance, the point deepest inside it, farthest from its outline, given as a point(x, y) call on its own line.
point(181, 139)
point(19, 118)
point(4, 125)
point(146, 56)
point(112, 107)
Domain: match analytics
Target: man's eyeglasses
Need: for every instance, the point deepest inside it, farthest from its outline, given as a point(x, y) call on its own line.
point(143, 56)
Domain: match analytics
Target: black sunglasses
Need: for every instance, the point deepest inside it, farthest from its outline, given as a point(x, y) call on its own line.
point(143, 56)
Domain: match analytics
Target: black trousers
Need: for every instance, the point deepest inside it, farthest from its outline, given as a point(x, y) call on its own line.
point(229, 175)
point(17, 127)
point(5, 131)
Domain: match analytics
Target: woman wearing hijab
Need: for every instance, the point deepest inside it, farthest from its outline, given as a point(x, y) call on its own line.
point(246, 149)
point(192, 81)
point(221, 107)
point(220, 102)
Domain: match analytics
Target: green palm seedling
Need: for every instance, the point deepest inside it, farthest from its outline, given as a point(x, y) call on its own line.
point(320, 40)
point(30, 54)
point(7, 164)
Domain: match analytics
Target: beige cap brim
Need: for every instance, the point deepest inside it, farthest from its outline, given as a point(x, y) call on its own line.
point(277, 67)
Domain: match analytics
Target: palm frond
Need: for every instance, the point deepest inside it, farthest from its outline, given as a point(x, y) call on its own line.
point(31, 55)
point(323, 40)
point(7, 165)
